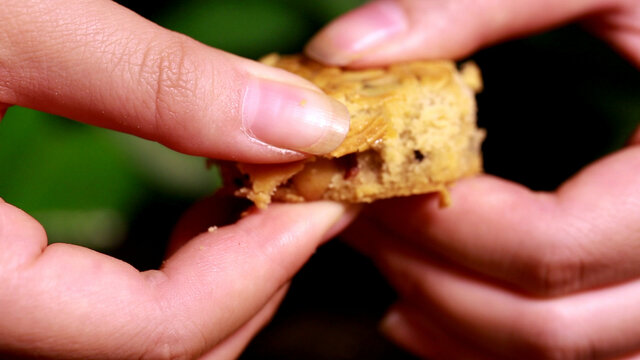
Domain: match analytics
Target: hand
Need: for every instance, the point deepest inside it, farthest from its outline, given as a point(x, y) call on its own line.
point(505, 272)
point(97, 62)
point(386, 31)
point(213, 293)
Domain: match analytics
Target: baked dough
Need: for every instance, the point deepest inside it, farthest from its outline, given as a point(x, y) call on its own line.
point(413, 131)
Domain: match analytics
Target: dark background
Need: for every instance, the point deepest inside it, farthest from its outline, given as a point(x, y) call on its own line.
point(552, 103)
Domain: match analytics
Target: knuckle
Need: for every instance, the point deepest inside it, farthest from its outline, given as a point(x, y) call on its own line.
point(557, 271)
point(164, 351)
point(167, 337)
point(173, 343)
point(169, 71)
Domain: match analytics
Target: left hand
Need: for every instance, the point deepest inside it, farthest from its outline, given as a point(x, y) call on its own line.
point(211, 296)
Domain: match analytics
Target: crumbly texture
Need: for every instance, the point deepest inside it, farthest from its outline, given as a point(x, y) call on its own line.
point(413, 131)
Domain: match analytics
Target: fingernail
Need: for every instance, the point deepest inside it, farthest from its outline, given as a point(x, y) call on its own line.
point(358, 32)
point(293, 117)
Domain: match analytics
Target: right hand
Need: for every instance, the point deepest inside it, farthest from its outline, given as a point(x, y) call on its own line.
point(504, 272)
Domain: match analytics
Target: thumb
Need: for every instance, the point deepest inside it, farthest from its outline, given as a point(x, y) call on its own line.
point(385, 31)
point(229, 273)
point(102, 64)
point(217, 288)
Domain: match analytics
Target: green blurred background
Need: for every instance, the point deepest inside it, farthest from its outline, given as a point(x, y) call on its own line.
point(552, 103)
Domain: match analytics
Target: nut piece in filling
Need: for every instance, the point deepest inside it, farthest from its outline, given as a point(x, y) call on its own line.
point(413, 131)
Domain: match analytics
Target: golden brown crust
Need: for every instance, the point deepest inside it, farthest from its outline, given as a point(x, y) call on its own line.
point(413, 131)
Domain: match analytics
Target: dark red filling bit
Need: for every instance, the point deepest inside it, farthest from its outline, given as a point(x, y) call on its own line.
point(350, 165)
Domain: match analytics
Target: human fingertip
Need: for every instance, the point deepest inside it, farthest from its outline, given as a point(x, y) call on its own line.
point(351, 211)
point(332, 211)
point(327, 217)
point(293, 117)
point(358, 32)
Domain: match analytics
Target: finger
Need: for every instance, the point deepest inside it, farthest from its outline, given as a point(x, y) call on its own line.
point(206, 215)
point(415, 331)
point(21, 237)
point(232, 347)
point(207, 290)
point(220, 210)
point(596, 324)
point(620, 29)
point(385, 31)
point(105, 65)
point(545, 243)
point(249, 260)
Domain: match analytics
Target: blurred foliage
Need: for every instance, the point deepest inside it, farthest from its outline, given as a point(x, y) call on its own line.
point(52, 162)
point(252, 28)
point(85, 184)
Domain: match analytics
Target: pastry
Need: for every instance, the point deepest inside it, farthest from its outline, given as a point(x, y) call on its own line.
point(413, 131)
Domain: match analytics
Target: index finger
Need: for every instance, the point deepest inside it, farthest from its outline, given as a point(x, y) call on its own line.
point(583, 235)
point(98, 62)
point(387, 31)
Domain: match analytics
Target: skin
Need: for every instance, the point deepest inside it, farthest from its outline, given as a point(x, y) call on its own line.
point(97, 62)
point(102, 64)
point(189, 307)
point(505, 272)
point(216, 289)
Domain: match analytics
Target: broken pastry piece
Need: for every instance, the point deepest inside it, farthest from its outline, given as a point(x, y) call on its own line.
point(413, 131)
